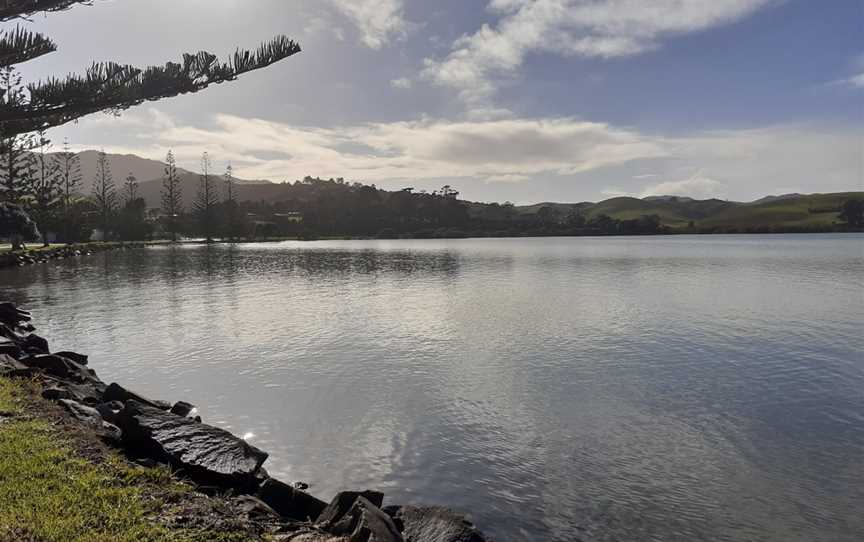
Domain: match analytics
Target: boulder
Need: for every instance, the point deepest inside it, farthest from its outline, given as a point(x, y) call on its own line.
point(55, 393)
point(80, 359)
point(34, 344)
point(289, 502)
point(10, 348)
point(11, 367)
point(182, 408)
point(343, 502)
point(207, 454)
point(12, 316)
point(82, 413)
point(59, 367)
point(433, 524)
point(91, 417)
point(116, 392)
point(364, 522)
point(88, 393)
point(110, 411)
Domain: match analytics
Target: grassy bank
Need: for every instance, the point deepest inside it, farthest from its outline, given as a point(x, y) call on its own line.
point(60, 484)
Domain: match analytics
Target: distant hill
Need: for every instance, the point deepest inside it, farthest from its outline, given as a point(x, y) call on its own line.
point(674, 212)
point(123, 164)
point(790, 210)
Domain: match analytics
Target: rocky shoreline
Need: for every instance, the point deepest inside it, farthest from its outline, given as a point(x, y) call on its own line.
point(155, 432)
point(30, 257)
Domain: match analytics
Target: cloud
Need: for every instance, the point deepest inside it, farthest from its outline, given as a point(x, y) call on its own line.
point(563, 152)
point(496, 151)
point(401, 83)
point(379, 21)
point(856, 81)
point(507, 178)
point(698, 187)
point(589, 28)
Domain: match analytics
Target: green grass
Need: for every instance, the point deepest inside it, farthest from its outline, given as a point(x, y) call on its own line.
point(49, 491)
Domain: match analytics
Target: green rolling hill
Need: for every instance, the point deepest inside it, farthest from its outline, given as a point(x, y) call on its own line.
point(683, 214)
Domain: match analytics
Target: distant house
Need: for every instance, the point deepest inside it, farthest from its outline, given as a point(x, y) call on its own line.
point(291, 216)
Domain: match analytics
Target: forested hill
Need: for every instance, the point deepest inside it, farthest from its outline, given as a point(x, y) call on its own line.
point(338, 207)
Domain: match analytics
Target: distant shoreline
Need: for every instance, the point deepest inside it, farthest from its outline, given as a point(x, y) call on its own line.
point(30, 256)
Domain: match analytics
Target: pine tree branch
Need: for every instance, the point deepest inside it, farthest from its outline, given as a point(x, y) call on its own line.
point(21, 45)
point(113, 87)
point(21, 9)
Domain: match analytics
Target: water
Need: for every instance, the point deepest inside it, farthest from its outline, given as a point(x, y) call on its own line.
point(671, 388)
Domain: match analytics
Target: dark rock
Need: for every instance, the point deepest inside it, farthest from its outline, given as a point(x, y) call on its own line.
point(91, 417)
point(302, 486)
point(364, 522)
point(10, 367)
point(60, 367)
point(433, 524)
point(55, 393)
point(12, 316)
point(116, 392)
point(254, 508)
point(343, 502)
point(80, 359)
point(34, 344)
point(10, 348)
point(82, 413)
point(111, 433)
point(182, 408)
point(110, 411)
point(289, 502)
point(88, 393)
point(205, 453)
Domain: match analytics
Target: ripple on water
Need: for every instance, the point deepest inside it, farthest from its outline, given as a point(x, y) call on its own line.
point(687, 388)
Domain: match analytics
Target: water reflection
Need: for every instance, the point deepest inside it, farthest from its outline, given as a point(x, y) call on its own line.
point(562, 389)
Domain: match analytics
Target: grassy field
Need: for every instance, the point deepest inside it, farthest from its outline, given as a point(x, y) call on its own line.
point(57, 485)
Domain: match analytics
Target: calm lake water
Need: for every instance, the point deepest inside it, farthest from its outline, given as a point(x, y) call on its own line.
point(561, 389)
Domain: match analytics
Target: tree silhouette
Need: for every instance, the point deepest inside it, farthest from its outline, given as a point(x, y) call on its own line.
point(107, 85)
point(104, 193)
point(16, 224)
point(14, 148)
point(130, 189)
point(172, 195)
point(208, 198)
point(69, 170)
point(852, 212)
point(232, 210)
point(44, 188)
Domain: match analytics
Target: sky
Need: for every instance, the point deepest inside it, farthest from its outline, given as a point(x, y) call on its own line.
point(506, 100)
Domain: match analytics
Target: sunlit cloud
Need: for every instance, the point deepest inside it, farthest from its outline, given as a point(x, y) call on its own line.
point(589, 28)
point(730, 163)
point(378, 21)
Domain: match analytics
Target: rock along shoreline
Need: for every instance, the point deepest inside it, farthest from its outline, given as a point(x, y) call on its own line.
point(30, 257)
point(155, 432)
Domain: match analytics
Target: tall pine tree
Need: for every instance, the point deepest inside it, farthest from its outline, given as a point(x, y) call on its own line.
point(14, 149)
point(207, 200)
point(233, 225)
point(107, 85)
point(43, 188)
point(172, 196)
point(69, 170)
point(104, 194)
point(130, 189)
